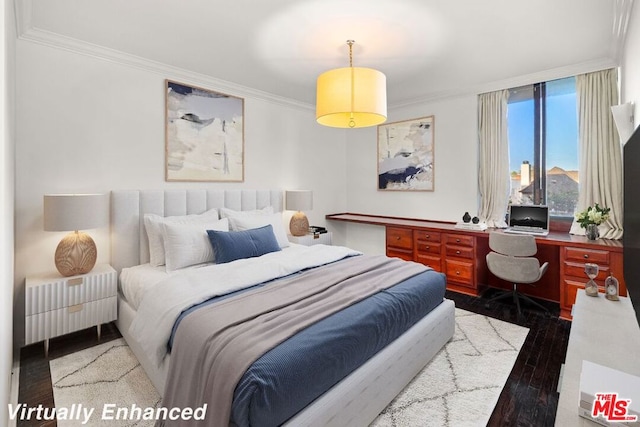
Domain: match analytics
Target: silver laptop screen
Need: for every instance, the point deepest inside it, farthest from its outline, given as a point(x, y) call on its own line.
point(534, 216)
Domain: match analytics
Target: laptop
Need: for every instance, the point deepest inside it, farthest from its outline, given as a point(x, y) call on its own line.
point(528, 219)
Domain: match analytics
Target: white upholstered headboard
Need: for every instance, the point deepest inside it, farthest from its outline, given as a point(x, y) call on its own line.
point(129, 244)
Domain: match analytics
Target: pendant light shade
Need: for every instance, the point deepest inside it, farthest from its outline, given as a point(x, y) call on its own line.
point(351, 97)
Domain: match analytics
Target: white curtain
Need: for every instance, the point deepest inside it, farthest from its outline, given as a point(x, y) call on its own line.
point(600, 150)
point(494, 157)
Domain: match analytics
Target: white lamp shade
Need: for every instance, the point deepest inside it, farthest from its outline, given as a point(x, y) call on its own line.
point(299, 200)
point(339, 103)
point(72, 212)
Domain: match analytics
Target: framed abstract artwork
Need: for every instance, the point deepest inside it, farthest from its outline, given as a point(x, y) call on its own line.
point(406, 155)
point(204, 135)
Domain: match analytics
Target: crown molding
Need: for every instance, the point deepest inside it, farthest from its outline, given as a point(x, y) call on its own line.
point(541, 76)
point(27, 32)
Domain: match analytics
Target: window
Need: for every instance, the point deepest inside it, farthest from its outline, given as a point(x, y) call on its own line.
point(543, 146)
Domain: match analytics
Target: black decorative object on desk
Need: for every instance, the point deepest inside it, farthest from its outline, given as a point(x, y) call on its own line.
point(475, 220)
point(466, 217)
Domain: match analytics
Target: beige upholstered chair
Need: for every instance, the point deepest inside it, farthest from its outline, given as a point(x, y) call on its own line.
point(512, 260)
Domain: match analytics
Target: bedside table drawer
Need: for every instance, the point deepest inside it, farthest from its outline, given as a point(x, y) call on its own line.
point(42, 326)
point(47, 294)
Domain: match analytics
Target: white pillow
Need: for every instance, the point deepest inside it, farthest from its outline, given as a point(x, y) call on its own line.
point(153, 225)
point(188, 244)
point(246, 222)
point(230, 213)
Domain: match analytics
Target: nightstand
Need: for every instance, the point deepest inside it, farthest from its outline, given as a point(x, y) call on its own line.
point(56, 305)
point(311, 239)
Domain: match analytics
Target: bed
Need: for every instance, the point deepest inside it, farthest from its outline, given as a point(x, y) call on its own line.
point(355, 399)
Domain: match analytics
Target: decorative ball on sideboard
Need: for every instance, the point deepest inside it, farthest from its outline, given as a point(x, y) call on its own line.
point(466, 217)
point(475, 220)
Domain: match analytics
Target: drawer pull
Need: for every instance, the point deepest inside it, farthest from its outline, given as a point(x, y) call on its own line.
point(457, 240)
point(426, 236)
point(398, 237)
point(457, 273)
point(586, 256)
point(457, 252)
point(75, 282)
point(427, 247)
point(75, 308)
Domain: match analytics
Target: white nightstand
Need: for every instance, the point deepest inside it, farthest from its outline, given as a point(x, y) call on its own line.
point(311, 239)
point(56, 305)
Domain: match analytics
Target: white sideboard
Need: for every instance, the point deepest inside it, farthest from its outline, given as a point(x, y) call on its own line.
point(603, 332)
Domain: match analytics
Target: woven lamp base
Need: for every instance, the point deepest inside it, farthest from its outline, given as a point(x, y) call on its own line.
point(76, 254)
point(299, 224)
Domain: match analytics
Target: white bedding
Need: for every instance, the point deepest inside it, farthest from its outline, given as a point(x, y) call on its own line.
point(134, 281)
point(162, 303)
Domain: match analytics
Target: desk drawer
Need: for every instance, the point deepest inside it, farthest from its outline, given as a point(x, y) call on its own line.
point(430, 260)
point(459, 252)
point(577, 270)
point(459, 240)
point(428, 248)
point(406, 255)
point(400, 238)
point(427, 236)
point(460, 272)
point(587, 255)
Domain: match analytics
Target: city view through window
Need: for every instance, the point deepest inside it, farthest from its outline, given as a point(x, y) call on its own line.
point(543, 146)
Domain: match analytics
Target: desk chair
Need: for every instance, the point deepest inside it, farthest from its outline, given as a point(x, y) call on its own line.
point(512, 260)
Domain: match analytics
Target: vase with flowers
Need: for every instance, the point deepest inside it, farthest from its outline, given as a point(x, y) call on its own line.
point(591, 218)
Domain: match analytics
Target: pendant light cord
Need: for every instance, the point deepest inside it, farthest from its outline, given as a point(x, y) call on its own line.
point(352, 122)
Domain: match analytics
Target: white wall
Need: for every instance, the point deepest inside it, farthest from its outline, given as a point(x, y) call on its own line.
point(455, 167)
point(631, 63)
point(456, 155)
point(7, 74)
point(89, 125)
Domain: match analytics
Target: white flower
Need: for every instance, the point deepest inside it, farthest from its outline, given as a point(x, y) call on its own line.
point(595, 216)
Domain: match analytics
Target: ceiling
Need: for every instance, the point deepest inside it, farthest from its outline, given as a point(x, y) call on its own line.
point(426, 48)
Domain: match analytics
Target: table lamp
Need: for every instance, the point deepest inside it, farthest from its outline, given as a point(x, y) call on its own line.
point(299, 200)
point(76, 253)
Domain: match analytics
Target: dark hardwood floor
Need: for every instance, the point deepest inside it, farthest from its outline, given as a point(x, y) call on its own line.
point(529, 397)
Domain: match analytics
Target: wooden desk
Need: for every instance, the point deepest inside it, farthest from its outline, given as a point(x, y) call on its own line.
point(460, 254)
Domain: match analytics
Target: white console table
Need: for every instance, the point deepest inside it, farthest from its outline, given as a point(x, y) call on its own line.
point(603, 332)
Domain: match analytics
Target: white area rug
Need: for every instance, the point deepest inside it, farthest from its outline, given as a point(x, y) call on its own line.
point(106, 374)
point(460, 386)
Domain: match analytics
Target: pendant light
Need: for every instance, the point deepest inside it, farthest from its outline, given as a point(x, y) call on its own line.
point(351, 97)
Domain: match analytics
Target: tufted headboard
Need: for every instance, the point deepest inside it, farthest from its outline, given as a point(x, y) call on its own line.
point(129, 244)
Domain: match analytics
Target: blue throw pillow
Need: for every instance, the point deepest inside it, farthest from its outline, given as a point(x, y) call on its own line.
point(232, 245)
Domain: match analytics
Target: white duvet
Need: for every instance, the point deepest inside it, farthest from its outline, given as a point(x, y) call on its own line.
point(162, 304)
